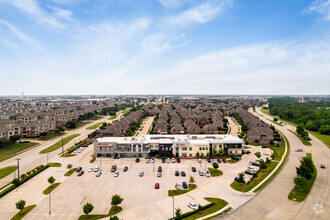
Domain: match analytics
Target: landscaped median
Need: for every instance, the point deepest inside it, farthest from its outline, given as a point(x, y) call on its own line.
point(23, 212)
point(264, 173)
point(302, 184)
point(70, 172)
point(215, 172)
point(305, 142)
point(58, 144)
point(14, 149)
point(67, 152)
point(215, 205)
point(6, 171)
point(94, 126)
point(50, 188)
point(177, 192)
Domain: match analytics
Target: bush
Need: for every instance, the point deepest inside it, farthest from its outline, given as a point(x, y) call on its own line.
point(43, 133)
point(258, 154)
point(215, 165)
point(69, 166)
point(14, 138)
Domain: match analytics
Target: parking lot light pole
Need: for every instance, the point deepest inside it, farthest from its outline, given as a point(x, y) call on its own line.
point(18, 159)
point(62, 146)
point(153, 167)
point(173, 206)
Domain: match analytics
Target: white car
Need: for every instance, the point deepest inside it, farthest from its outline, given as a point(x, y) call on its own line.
point(201, 173)
point(152, 160)
point(116, 174)
point(168, 160)
point(98, 174)
point(173, 160)
point(178, 186)
point(141, 173)
point(207, 173)
point(214, 160)
point(192, 205)
point(299, 150)
point(147, 160)
point(199, 160)
point(90, 169)
point(96, 169)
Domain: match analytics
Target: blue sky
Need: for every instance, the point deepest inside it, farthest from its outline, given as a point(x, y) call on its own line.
point(164, 46)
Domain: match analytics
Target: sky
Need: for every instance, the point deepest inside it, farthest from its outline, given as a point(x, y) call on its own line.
point(82, 47)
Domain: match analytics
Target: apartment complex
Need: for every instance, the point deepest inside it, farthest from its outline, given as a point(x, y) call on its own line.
point(167, 145)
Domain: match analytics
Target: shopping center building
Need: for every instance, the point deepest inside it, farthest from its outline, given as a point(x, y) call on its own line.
point(167, 145)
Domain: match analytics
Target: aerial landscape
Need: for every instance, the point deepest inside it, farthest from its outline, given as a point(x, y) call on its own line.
point(164, 109)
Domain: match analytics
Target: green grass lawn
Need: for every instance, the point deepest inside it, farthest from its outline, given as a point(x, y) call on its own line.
point(224, 212)
point(80, 124)
point(70, 172)
point(50, 188)
point(92, 217)
point(22, 213)
point(300, 193)
point(96, 117)
point(14, 149)
point(261, 175)
point(274, 122)
point(115, 210)
point(305, 142)
point(54, 164)
point(177, 192)
point(215, 172)
point(113, 117)
point(58, 144)
point(323, 137)
point(231, 161)
point(51, 136)
point(217, 205)
point(94, 126)
point(6, 171)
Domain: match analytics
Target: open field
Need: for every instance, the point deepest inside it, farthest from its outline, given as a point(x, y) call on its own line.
point(14, 149)
point(94, 126)
point(50, 136)
point(59, 144)
point(6, 171)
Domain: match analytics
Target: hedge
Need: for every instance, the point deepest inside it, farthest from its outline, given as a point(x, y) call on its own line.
point(73, 148)
point(193, 212)
point(31, 174)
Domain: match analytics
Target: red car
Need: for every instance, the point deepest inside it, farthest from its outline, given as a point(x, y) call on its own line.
point(193, 169)
point(178, 160)
point(156, 185)
point(80, 173)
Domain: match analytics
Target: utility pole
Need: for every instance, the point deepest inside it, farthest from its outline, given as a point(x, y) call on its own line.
point(100, 163)
point(173, 206)
point(50, 212)
point(47, 158)
point(18, 159)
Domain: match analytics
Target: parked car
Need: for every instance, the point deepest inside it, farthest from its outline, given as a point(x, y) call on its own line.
point(156, 185)
point(255, 164)
point(214, 160)
point(80, 173)
point(207, 173)
point(178, 186)
point(116, 174)
point(152, 160)
point(159, 174)
point(96, 169)
point(78, 169)
point(141, 173)
point(224, 160)
point(160, 169)
point(263, 146)
point(98, 174)
point(168, 160)
point(248, 172)
point(201, 173)
point(199, 160)
point(113, 168)
point(184, 185)
point(183, 173)
point(90, 169)
point(208, 160)
point(192, 205)
point(147, 160)
point(173, 160)
point(163, 160)
point(219, 160)
point(322, 166)
point(125, 169)
point(177, 173)
point(137, 160)
point(193, 169)
point(178, 160)
point(299, 150)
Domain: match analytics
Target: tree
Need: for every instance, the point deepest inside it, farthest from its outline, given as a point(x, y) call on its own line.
point(14, 138)
point(69, 166)
point(275, 119)
point(51, 180)
point(268, 160)
point(232, 156)
point(300, 181)
point(241, 177)
point(256, 141)
point(114, 217)
point(191, 179)
point(116, 200)
point(214, 152)
point(306, 168)
point(57, 132)
point(20, 204)
point(207, 154)
point(271, 142)
point(15, 182)
point(262, 164)
point(258, 154)
point(178, 213)
point(88, 208)
point(215, 165)
point(202, 154)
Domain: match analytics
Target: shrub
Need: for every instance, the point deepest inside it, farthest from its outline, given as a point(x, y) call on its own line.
point(258, 154)
point(116, 200)
point(215, 165)
point(88, 208)
point(69, 166)
point(20, 204)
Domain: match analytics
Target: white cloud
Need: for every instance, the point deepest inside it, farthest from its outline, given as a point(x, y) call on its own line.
point(31, 8)
point(159, 43)
point(321, 7)
point(62, 13)
point(171, 3)
point(199, 14)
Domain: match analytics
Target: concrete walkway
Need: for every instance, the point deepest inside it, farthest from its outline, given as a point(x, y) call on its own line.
point(215, 213)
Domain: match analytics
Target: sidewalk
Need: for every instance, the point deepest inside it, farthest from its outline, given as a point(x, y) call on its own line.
point(215, 213)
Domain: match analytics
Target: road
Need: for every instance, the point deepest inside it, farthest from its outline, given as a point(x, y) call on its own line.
point(235, 128)
point(272, 202)
point(145, 126)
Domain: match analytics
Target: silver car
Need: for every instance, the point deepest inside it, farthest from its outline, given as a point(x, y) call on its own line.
point(141, 173)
